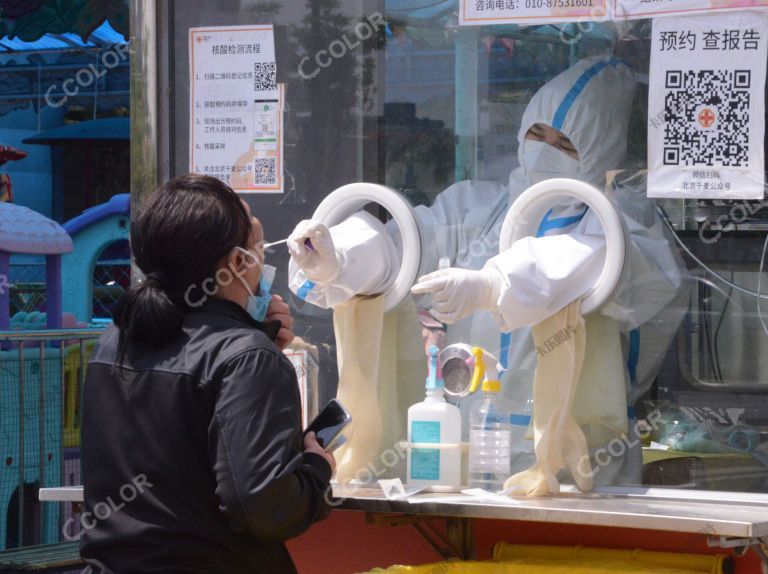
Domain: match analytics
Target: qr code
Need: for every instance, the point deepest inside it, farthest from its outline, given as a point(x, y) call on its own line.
point(264, 76)
point(264, 170)
point(706, 117)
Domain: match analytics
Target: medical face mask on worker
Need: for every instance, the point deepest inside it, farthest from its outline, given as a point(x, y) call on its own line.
point(257, 304)
point(542, 161)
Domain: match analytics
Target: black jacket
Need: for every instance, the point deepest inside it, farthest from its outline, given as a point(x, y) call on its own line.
point(192, 454)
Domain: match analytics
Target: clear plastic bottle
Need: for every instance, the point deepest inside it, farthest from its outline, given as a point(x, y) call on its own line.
point(520, 391)
point(489, 440)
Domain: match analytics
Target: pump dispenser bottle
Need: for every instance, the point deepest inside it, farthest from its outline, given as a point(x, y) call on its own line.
point(434, 435)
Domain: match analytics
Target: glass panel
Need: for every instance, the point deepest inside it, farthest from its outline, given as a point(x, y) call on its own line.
point(398, 94)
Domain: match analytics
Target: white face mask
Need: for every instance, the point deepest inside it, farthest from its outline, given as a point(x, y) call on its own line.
point(542, 161)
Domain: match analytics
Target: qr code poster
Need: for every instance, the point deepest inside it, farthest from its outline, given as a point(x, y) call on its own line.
point(481, 12)
point(706, 108)
point(236, 107)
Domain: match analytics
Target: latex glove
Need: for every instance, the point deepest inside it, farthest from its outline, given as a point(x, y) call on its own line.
point(457, 293)
point(321, 263)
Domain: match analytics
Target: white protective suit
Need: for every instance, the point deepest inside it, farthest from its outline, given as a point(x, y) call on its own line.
point(590, 103)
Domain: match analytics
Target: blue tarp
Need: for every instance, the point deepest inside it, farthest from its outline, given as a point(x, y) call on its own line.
point(104, 35)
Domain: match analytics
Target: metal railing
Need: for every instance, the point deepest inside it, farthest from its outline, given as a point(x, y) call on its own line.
point(41, 375)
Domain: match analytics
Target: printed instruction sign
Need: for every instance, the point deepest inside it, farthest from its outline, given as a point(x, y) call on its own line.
point(481, 12)
point(236, 105)
point(627, 9)
point(706, 108)
point(300, 360)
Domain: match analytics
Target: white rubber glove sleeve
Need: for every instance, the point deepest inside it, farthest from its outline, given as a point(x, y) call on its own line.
point(457, 293)
point(559, 440)
point(544, 274)
point(368, 261)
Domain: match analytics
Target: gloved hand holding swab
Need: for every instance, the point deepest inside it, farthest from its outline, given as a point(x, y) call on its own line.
point(311, 246)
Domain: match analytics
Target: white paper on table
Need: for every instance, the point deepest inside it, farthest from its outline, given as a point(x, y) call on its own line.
point(452, 499)
point(706, 108)
point(487, 496)
point(393, 489)
point(236, 105)
point(469, 496)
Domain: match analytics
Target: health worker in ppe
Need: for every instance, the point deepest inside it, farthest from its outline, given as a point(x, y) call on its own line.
point(575, 126)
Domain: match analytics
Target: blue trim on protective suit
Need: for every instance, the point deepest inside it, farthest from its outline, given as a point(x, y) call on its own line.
point(634, 355)
point(520, 420)
point(548, 225)
point(632, 358)
point(577, 89)
point(304, 290)
point(506, 343)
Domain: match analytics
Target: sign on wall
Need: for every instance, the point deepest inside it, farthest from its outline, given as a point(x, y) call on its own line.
point(236, 119)
point(706, 106)
point(622, 9)
point(523, 12)
point(480, 12)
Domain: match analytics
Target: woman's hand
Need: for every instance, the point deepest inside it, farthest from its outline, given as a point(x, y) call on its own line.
point(278, 310)
point(311, 445)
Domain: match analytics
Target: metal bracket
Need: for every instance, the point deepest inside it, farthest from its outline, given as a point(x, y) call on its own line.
point(741, 546)
point(456, 542)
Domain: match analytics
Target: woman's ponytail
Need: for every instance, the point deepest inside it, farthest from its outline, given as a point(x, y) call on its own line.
point(147, 316)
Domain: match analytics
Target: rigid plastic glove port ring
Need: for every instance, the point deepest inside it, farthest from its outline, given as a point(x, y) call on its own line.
point(527, 212)
point(348, 199)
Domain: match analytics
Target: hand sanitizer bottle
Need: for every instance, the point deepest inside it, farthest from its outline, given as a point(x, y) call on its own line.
point(434, 422)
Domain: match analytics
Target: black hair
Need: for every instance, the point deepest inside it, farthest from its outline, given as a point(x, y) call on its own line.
point(178, 238)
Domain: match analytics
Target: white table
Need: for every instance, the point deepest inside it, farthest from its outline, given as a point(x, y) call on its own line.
point(61, 494)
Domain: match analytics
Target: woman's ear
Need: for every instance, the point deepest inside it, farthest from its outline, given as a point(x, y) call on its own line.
point(236, 262)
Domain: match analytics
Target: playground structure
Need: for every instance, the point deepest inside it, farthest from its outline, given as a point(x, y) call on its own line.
point(99, 233)
point(25, 231)
point(41, 365)
point(30, 386)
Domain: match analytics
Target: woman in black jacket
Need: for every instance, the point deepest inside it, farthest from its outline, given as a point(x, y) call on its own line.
point(192, 446)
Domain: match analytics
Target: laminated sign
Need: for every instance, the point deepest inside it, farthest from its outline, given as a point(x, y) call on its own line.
point(478, 12)
point(236, 106)
point(706, 107)
point(651, 8)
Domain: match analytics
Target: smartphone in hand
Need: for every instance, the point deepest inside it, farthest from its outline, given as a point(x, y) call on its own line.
point(328, 425)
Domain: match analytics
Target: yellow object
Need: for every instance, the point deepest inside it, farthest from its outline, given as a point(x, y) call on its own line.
point(604, 560)
point(492, 386)
point(72, 391)
point(358, 324)
point(479, 373)
point(518, 559)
